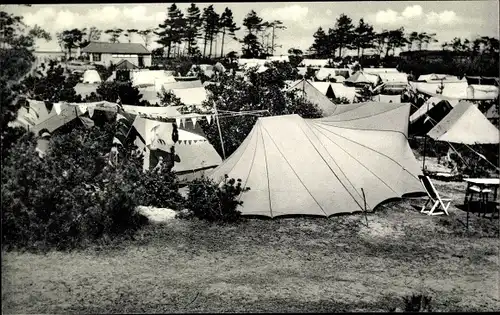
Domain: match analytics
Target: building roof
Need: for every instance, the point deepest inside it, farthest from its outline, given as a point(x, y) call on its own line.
point(116, 48)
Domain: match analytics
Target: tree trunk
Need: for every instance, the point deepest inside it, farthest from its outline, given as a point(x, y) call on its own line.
point(168, 51)
point(211, 41)
point(69, 52)
point(340, 51)
point(222, 44)
point(272, 43)
point(359, 48)
point(204, 45)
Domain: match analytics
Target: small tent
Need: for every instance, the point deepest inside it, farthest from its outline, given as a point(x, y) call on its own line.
point(125, 65)
point(313, 95)
point(361, 78)
point(465, 124)
point(295, 166)
point(85, 89)
point(91, 76)
point(191, 96)
point(340, 90)
point(324, 87)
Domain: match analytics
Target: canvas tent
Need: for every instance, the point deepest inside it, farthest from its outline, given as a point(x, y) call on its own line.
point(314, 63)
point(465, 124)
point(324, 87)
point(325, 176)
point(125, 65)
point(492, 114)
point(459, 90)
point(312, 94)
point(437, 77)
point(85, 89)
point(360, 77)
point(91, 76)
point(431, 112)
point(380, 70)
point(194, 154)
point(191, 96)
point(331, 73)
point(340, 90)
point(387, 98)
point(150, 77)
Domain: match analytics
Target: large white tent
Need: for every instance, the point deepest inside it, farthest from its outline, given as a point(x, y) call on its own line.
point(324, 163)
point(91, 76)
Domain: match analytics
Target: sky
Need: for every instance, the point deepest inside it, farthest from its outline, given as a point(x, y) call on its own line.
point(448, 19)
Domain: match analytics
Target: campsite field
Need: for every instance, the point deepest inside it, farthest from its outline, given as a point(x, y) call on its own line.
point(284, 265)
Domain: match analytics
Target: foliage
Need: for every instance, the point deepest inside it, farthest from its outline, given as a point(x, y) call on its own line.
point(52, 87)
point(105, 72)
point(263, 92)
point(343, 33)
point(363, 36)
point(417, 303)
point(251, 46)
point(211, 27)
point(193, 25)
point(114, 34)
point(210, 201)
point(168, 98)
point(71, 196)
point(70, 39)
point(129, 32)
point(160, 189)
point(146, 35)
point(171, 31)
point(227, 26)
point(321, 44)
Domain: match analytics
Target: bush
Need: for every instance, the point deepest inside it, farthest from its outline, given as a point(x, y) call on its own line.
point(72, 196)
point(210, 201)
point(417, 303)
point(160, 189)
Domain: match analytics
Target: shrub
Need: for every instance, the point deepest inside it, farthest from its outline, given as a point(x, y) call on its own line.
point(160, 189)
point(210, 201)
point(70, 197)
point(417, 303)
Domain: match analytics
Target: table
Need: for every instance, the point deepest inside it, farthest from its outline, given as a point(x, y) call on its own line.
point(481, 183)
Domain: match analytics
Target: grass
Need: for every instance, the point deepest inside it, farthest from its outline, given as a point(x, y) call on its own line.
point(284, 265)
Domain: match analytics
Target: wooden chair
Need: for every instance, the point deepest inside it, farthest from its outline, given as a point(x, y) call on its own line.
point(438, 203)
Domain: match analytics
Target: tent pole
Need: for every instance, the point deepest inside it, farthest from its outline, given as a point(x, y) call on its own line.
point(423, 162)
point(220, 132)
point(364, 199)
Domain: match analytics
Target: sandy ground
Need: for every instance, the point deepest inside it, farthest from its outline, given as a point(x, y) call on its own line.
point(283, 265)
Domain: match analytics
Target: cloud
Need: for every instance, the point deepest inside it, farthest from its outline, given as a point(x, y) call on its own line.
point(443, 18)
point(294, 13)
point(413, 11)
point(413, 14)
point(387, 17)
point(103, 17)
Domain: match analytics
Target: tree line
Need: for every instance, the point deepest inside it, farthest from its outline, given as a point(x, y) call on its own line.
point(346, 35)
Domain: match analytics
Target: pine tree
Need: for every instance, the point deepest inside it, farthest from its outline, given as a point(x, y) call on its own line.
point(320, 44)
point(172, 30)
point(228, 26)
point(343, 33)
point(251, 46)
point(193, 24)
point(210, 27)
point(364, 36)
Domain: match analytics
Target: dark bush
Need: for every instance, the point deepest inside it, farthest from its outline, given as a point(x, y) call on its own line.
point(71, 197)
point(161, 189)
point(417, 303)
point(210, 201)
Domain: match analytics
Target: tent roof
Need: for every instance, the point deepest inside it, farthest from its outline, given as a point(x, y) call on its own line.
point(492, 112)
point(380, 70)
point(340, 90)
point(439, 77)
point(371, 116)
point(465, 124)
point(314, 96)
point(85, 89)
point(125, 65)
point(428, 105)
point(394, 77)
point(191, 96)
point(361, 77)
point(322, 166)
point(38, 116)
point(314, 63)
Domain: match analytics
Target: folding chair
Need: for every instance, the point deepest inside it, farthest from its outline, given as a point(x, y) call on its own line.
point(434, 198)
